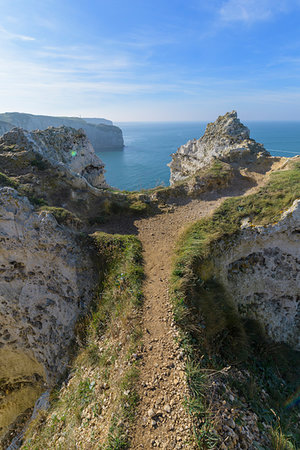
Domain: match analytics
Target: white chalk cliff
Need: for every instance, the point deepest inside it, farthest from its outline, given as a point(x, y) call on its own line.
point(67, 147)
point(260, 269)
point(226, 139)
point(47, 279)
point(101, 133)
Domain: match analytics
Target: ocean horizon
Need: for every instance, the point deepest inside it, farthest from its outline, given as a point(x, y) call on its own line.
point(142, 164)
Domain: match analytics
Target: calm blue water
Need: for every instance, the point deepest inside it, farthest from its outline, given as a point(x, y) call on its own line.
point(143, 162)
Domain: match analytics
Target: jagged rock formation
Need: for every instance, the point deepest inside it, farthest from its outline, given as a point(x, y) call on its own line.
point(260, 268)
point(62, 145)
point(102, 135)
point(226, 139)
point(57, 166)
point(47, 279)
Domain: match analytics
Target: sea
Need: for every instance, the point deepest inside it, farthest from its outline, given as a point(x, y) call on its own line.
point(142, 163)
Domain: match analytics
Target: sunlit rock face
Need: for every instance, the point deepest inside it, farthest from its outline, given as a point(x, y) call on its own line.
point(260, 268)
point(226, 139)
point(102, 133)
point(47, 278)
point(66, 146)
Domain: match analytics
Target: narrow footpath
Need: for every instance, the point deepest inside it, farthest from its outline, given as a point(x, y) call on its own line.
point(162, 420)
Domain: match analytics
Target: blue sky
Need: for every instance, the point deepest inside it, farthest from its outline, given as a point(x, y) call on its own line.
point(167, 60)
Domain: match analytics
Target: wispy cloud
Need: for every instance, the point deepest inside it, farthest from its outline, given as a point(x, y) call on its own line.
point(14, 36)
point(250, 11)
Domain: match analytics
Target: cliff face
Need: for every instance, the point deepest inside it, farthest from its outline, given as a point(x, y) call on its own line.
point(226, 140)
point(46, 279)
point(101, 135)
point(62, 145)
point(260, 269)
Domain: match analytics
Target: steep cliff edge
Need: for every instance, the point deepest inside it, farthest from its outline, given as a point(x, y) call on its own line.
point(102, 135)
point(226, 140)
point(47, 279)
point(55, 167)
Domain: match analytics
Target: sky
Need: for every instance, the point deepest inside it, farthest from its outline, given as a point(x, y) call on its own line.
point(151, 60)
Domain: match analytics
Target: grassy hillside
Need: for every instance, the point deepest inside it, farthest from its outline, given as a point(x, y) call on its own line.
point(236, 375)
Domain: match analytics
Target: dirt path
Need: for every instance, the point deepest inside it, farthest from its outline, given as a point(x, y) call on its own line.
point(162, 420)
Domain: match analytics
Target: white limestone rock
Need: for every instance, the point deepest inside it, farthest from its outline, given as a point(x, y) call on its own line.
point(65, 146)
point(260, 268)
point(47, 278)
point(226, 139)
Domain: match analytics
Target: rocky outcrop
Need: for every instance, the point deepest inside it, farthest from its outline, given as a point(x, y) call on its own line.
point(57, 167)
point(260, 268)
point(62, 145)
point(226, 140)
point(65, 147)
point(47, 279)
point(102, 135)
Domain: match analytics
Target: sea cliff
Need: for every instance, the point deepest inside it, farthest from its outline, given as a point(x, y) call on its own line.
point(102, 133)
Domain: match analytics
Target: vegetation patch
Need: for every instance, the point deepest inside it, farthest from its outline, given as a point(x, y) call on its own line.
point(6, 181)
point(239, 381)
point(63, 216)
point(96, 405)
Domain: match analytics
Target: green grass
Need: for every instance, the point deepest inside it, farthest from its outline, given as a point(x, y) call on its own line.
point(214, 336)
point(98, 405)
point(6, 181)
point(62, 215)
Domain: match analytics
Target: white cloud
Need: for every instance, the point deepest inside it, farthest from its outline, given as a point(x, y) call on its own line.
point(14, 36)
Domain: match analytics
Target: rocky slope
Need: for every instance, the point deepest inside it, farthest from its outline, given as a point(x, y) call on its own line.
point(226, 140)
point(57, 166)
point(47, 279)
point(60, 146)
point(102, 135)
